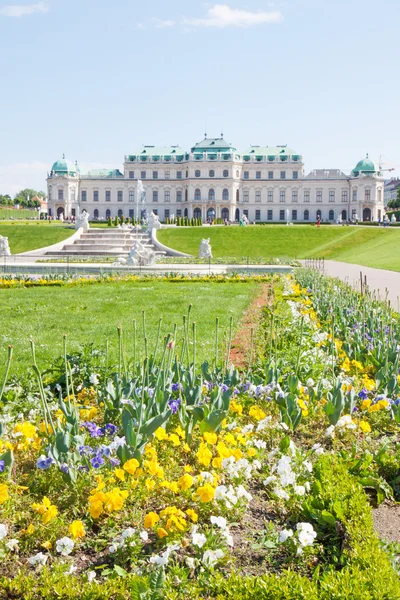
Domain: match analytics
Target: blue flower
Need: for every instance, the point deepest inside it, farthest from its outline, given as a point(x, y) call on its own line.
point(2, 466)
point(174, 405)
point(111, 429)
point(44, 462)
point(224, 387)
point(85, 450)
point(64, 468)
point(93, 429)
point(114, 462)
point(175, 387)
point(97, 461)
point(363, 395)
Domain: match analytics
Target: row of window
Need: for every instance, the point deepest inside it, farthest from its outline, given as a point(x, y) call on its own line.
point(295, 215)
point(211, 173)
point(225, 195)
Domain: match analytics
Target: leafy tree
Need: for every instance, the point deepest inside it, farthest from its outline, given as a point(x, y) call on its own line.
point(6, 200)
point(25, 198)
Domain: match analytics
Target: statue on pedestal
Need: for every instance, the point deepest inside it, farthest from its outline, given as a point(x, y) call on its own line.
point(4, 246)
point(153, 222)
point(141, 256)
point(205, 249)
point(82, 220)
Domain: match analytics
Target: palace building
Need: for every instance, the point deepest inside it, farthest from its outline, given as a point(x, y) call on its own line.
point(215, 180)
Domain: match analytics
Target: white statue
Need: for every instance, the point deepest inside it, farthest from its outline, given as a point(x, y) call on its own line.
point(61, 217)
point(141, 256)
point(205, 249)
point(82, 220)
point(394, 220)
point(4, 246)
point(153, 222)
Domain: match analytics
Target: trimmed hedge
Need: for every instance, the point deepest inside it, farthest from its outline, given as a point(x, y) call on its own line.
point(357, 569)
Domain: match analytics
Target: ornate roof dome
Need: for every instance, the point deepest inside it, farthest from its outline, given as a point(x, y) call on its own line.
point(64, 167)
point(366, 166)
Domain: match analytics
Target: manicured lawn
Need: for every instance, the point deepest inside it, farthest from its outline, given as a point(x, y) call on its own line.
point(369, 246)
point(92, 313)
point(27, 236)
point(22, 213)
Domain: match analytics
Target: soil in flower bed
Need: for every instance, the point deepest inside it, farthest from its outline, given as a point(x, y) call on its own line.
point(387, 521)
point(241, 344)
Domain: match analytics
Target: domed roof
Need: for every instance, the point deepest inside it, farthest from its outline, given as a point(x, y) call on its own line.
point(64, 167)
point(366, 166)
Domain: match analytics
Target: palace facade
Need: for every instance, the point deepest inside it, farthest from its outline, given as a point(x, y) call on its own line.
point(215, 180)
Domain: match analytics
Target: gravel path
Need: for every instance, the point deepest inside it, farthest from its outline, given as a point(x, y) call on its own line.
point(386, 284)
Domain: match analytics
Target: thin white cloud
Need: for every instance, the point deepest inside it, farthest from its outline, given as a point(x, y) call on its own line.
point(222, 15)
point(23, 10)
point(160, 24)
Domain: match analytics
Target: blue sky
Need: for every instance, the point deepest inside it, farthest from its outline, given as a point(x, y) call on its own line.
point(96, 79)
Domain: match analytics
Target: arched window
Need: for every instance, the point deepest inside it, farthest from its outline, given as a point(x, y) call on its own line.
point(331, 215)
point(197, 173)
point(237, 214)
point(210, 214)
point(319, 214)
point(366, 214)
point(226, 173)
point(225, 195)
point(306, 215)
point(225, 213)
point(96, 213)
point(120, 212)
point(197, 213)
point(108, 213)
point(211, 195)
point(344, 215)
point(197, 194)
point(237, 197)
point(211, 173)
point(185, 212)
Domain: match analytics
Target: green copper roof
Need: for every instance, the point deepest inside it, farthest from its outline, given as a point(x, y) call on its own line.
point(365, 166)
point(270, 151)
point(102, 174)
point(212, 145)
point(159, 151)
point(64, 167)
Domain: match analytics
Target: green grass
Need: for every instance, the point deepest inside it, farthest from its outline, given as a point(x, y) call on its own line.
point(372, 247)
point(23, 237)
point(22, 213)
point(92, 313)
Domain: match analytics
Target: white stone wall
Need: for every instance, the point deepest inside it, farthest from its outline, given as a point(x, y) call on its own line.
point(235, 186)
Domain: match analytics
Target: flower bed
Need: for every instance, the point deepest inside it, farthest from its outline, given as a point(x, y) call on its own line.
point(167, 479)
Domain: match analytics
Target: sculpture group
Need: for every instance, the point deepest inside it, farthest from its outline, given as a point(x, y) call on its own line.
point(205, 249)
point(4, 246)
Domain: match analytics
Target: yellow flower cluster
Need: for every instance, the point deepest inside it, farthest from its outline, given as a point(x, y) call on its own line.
point(4, 495)
point(106, 502)
point(170, 520)
point(46, 509)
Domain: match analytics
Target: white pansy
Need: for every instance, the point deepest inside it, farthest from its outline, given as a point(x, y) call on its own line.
point(247, 428)
point(269, 480)
point(281, 494)
point(220, 492)
point(207, 477)
point(260, 444)
point(198, 539)
point(12, 545)
point(64, 546)
point(38, 559)
point(72, 570)
point(94, 380)
point(191, 563)
point(210, 557)
point(241, 492)
point(285, 534)
point(263, 424)
point(128, 533)
point(307, 465)
point(144, 536)
point(346, 422)
point(306, 534)
point(91, 576)
point(300, 490)
point(3, 530)
point(219, 521)
point(330, 432)
point(231, 426)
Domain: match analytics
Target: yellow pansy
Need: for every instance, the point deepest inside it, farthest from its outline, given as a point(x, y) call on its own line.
point(150, 520)
point(257, 413)
point(77, 529)
point(211, 438)
point(365, 426)
point(204, 455)
point(205, 492)
point(131, 465)
point(185, 482)
point(161, 434)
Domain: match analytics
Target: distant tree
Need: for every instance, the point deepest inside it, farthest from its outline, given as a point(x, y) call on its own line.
point(6, 200)
point(25, 198)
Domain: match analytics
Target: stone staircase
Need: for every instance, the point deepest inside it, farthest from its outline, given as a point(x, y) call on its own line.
point(107, 242)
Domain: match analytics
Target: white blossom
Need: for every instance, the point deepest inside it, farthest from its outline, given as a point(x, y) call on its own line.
point(91, 576)
point(94, 380)
point(300, 490)
point(198, 539)
point(285, 534)
point(64, 546)
point(219, 521)
point(12, 545)
point(38, 559)
point(3, 530)
point(144, 536)
point(306, 534)
point(210, 557)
